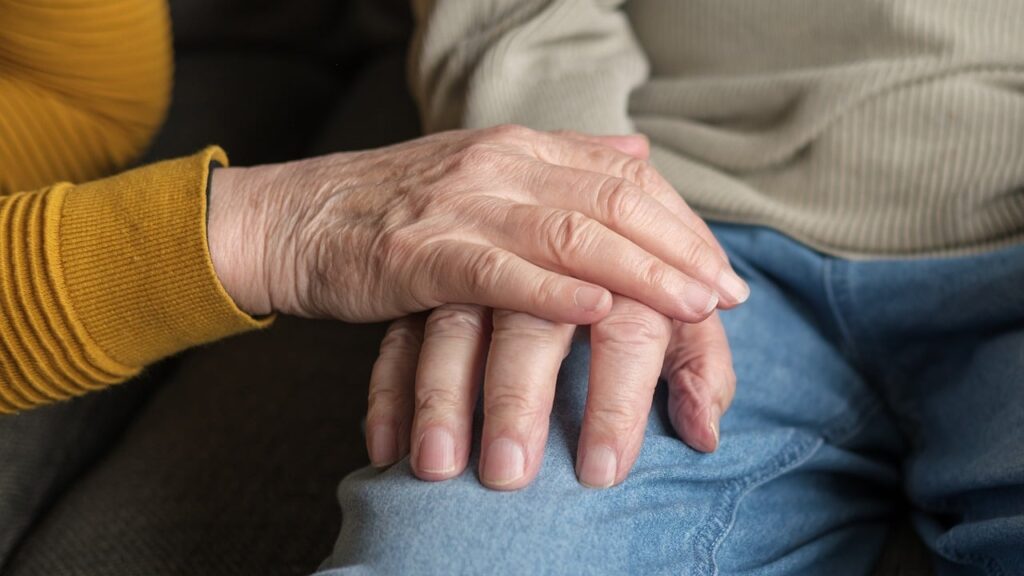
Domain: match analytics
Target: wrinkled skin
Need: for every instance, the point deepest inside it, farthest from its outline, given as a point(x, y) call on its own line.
point(431, 368)
point(425, 384)
point(505, 217)
point(548, 230)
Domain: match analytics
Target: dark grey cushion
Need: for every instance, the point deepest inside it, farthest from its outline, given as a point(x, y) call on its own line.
point(229, 469)
point(43, 451)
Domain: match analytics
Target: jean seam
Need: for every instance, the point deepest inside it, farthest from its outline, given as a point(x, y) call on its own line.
point(712, 533)
point(838, 298)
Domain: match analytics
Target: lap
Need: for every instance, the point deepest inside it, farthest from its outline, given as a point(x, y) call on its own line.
point(965, 473)
point(948, 344)
point(859, 384)
point(804, 449)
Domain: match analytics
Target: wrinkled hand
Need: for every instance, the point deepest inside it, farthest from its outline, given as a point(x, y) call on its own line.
point(506, 217)
point(430, 369)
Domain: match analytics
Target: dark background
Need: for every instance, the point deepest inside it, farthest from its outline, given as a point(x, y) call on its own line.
point(224, 460)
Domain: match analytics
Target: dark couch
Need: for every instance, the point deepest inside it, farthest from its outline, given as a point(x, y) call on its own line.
point(224, 460)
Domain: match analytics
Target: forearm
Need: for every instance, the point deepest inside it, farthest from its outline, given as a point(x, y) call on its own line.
point(547, 64)
point(100, 279)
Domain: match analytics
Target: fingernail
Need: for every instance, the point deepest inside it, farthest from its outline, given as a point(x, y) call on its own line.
point(698, 298)
point(598, 467)
point(504, 463)
point(437, 452)
point(714, 416)
point(383, 447)
point(733, 286)
point(589, 298)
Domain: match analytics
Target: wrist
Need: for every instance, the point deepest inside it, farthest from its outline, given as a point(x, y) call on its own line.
point(234, 225)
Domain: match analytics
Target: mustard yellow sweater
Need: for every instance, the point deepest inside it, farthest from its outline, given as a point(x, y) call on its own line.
point(101, 276)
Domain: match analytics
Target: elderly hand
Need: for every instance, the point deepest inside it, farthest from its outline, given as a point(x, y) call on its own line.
point(424, 386)
point(425, 383)
point(505, 217)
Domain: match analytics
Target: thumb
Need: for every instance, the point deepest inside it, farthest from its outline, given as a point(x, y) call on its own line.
point(701, 381)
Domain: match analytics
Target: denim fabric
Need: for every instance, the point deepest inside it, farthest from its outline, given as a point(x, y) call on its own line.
point(861, 385)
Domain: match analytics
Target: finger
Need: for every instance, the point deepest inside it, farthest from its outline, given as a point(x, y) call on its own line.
point(635, 145)
point(701, 381)
point(519, 387)
point(627, 353)
point(570, 243)
point(596, 154)
point(389, 414)
point(447, 380)
point(464, 272)
point(624, 208)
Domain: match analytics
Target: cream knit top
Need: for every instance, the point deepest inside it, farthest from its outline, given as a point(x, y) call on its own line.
point(864, 128)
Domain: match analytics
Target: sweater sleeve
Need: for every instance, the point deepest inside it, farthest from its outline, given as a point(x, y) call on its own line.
point(101, 278)
point(547, 64)
point(84, 84)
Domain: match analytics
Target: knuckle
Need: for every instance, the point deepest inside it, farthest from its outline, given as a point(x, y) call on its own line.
point(641, 173)
point(688, 383)
point(654, 274)
point(402, 337)
point(621, 200)
point(546, 293)
point(437, 400)
point(697, 253)
point(508, 132)
point(570, 233)
point(617, 419)
point(383, 402)
point(631, 328)
point(487, 270)
point(510, 404)
point(458, 320)
point(701, 380)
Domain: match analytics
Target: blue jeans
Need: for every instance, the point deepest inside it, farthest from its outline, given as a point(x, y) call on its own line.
point(861, 385)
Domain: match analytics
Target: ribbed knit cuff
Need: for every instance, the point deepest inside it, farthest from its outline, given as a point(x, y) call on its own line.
point(44, 353)
point(136, 263)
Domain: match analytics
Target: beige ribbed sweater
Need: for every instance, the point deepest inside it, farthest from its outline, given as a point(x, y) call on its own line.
point(864, 128)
